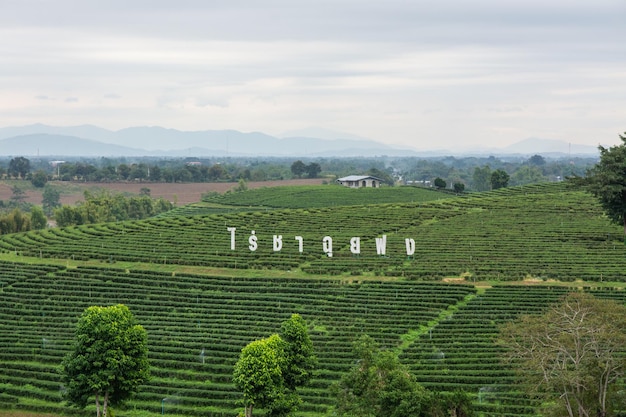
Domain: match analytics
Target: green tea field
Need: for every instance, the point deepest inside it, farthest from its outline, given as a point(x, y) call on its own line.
point(208, 279)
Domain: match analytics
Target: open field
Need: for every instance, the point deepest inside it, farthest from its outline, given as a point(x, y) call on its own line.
point(182, 193)
point(479, 261)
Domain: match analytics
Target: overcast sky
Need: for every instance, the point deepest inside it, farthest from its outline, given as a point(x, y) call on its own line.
point(426, 74)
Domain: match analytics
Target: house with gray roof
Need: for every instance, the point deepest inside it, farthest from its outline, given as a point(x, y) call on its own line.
point(360, 181)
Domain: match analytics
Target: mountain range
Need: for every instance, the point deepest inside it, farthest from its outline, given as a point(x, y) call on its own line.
point(92, 141)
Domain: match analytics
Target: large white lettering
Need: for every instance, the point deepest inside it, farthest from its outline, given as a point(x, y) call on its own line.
point(410, 247)
point(300, 240)
point(252, 241)
point(327, 246)
point(232, 237)
point(355, 245)
point(278, 243)
point(381, 245)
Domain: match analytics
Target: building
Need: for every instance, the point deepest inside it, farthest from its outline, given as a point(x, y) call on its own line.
point(360, 181)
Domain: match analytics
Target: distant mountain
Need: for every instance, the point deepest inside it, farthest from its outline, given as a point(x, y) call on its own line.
point(548, 146)
point(58, 145)
point(87, 140)
point(157, 141)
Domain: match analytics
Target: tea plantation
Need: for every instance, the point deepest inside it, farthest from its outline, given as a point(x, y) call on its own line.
point(202, 302)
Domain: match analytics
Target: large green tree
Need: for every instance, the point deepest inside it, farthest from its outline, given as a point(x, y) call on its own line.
point(270, 370)
point(481, 179)
point(19, 167)
point(108, 359)
point(499, 179)
point(607, 181)
point(379, 385)
point(571, 356)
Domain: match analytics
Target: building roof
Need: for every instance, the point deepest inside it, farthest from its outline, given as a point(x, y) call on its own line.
point(357, 178)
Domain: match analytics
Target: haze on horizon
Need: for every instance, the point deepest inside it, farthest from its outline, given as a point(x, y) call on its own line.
point(455, 74)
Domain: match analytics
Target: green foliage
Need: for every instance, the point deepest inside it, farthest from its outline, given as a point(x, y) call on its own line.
point(440, 183)
point(258, 373)
point(270, 370)
point(298, 168)
point(38, 218)
point(607, 181)
point(108, 359)
point(298, 351)
point(39, 179)
point(242, 185)
point(482, 178)
point(499, 179)
point(51, 199)
point(19, 167)
point(106, 207)
point(378, 385)
point(572, 354)
point(14, 222)
point(313, 170)
point(459, 187)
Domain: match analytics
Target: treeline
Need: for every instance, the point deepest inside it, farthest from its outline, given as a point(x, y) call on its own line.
point(474, 173)
point(106, 207)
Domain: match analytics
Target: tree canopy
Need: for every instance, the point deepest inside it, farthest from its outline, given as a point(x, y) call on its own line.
point(379, 385)
point(108, 359)
point(571, 355)
point(607, 181)
point(270, 370)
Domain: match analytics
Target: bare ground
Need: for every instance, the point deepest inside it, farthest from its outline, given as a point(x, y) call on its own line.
point(181, 193)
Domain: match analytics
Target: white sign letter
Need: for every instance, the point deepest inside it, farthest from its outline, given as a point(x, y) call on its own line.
point(278, 243)
point(300, 243)
point(381, 245)
point(327, 246)
point(252, 240)
point(410, 247)
point(355, 245)
point(232, 237)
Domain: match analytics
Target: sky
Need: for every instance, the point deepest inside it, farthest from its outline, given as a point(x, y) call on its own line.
point(453, 74)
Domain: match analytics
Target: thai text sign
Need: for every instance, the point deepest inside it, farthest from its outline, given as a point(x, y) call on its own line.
point(326, 243)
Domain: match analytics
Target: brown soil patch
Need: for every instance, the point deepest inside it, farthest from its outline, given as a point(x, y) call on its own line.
point(181, 193)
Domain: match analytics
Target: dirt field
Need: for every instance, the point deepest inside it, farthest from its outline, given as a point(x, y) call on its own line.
point(181, 193)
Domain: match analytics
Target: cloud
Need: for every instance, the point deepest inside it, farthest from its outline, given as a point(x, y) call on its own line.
point(392, 70)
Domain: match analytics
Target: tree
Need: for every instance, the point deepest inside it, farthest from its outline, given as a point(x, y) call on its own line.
point(270, 370)
point(38, 219)
point(482, 178)
point(499, 179)
point(39, 179)
point(300, 359)
point(108, 359)
point(378, 385)
point(298, 168)
point(18, 195)
point(51, 199)
point(459, 187)
point(258, 373)
point(607, 181)
point(527, 174)
point(440, 183)
point(570, 355)
point(313, 170)
point(19, 167)
point(537, 160)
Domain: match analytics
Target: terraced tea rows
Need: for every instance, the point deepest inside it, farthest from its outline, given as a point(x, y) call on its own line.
point(197, 326)
point(546, 231)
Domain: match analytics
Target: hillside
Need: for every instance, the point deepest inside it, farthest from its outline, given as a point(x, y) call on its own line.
point(545, 231)
point(202, 301)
